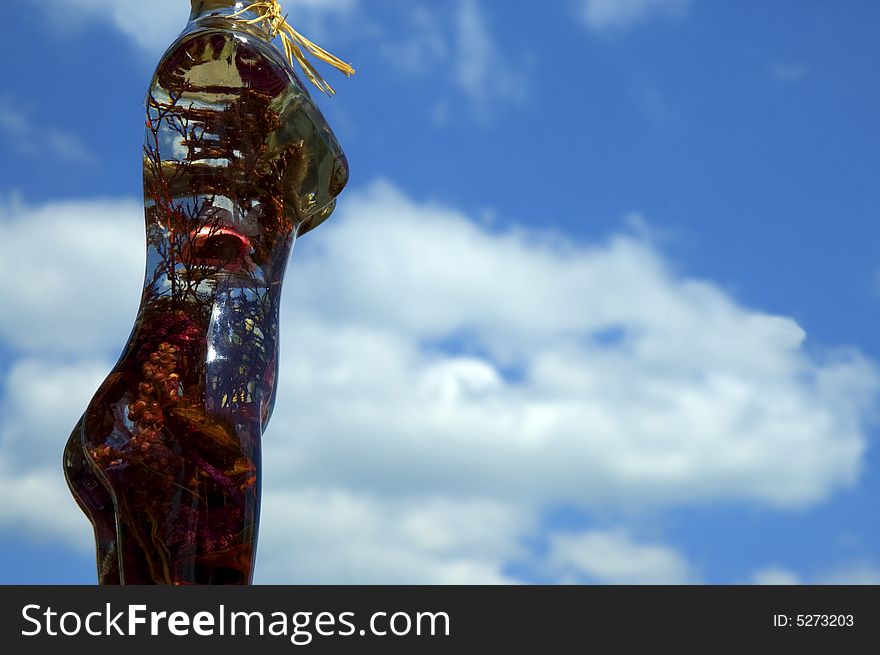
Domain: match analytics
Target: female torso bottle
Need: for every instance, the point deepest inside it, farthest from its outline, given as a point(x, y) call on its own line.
point(237, 162)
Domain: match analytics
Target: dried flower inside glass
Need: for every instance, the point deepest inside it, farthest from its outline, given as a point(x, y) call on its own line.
point(238, 161)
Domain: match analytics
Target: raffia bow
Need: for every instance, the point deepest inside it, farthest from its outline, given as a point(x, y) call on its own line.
point(275, 22)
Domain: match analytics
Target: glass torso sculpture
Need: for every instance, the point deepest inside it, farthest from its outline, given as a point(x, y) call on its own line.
point(238, 161)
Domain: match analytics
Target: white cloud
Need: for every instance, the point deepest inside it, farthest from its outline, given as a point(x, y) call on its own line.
point(694, 397)
point(71, 275)
point(320, 535)
point(42, 400)
point(613, 557)
point(38, 505)
point(441, 384)
point(33, 386)
point(615, 15)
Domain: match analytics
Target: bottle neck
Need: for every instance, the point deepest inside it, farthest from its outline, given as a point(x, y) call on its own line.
point(202, 8)
point(206, 11)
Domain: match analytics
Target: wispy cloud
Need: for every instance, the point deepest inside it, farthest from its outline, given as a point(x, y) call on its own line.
point(154, 24)
point(788, 71)
point(479, 68)
point(424, 47)
point(653, 103)
point(455, 46)
point(615, 15)
point(32, 139)
point(150, 25)
point(459, 48)
point(775, 575)
point(856, 572)
point(441, 385)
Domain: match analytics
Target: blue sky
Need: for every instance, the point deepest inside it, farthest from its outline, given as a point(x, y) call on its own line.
point(600, 304)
